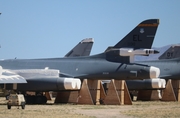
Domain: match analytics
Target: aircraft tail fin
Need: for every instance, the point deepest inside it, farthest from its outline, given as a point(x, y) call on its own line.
point(172, 52)
point(142, 36)
point(137, 42)
point(83, 48)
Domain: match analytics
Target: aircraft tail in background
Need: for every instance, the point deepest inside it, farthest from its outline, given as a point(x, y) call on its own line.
point(83, 48)
point(172, 52)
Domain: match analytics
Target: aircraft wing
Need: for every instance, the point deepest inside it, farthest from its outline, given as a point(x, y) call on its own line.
point(7, 77)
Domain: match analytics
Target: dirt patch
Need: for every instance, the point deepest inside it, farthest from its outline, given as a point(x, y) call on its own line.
point(138, 109)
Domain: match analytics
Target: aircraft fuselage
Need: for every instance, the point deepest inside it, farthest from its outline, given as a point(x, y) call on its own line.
point(169, 68)
point(82, 67)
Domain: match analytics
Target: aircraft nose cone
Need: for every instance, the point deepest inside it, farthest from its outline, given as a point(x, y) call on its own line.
point(154, 72)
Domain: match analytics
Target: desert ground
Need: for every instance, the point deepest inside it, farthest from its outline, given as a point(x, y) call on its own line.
point(139, 109)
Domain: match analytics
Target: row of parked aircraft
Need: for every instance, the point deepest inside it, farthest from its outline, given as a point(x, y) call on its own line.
point(116, 62)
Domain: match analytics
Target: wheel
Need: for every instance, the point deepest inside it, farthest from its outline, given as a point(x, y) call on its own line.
point(8, 106)
point(7, 97)
point(23, 106)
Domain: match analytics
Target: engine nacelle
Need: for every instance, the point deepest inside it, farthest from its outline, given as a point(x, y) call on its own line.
point(47, 84)
point(155, 83)
point(44, 80)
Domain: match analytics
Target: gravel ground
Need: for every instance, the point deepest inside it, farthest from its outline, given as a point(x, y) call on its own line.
point(139, 109)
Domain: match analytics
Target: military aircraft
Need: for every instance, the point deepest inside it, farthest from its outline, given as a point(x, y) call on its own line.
point(54, 74)
point(168, 63)
point(168, 67)
point(115, 63)
point(83, 48)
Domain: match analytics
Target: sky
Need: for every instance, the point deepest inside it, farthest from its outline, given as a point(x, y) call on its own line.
point(51, 28)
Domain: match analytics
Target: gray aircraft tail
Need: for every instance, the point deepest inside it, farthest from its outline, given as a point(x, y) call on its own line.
point(83, 48)
point(171, 53)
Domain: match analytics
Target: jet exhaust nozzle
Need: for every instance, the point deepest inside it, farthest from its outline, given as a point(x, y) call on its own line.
point(146, 84)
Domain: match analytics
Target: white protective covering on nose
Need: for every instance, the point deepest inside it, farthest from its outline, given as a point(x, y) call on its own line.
point(69, 83)
point(72, 83)
point(154, 72)
point(78, 83)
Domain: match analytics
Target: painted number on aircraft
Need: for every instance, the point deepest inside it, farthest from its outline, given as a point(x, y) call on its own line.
point(136, 38)
point(169, 54)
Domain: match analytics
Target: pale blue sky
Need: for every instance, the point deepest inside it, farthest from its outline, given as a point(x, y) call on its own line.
point(50, 28)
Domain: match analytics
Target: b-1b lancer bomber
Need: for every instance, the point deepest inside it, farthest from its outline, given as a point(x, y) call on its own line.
point(115, 63)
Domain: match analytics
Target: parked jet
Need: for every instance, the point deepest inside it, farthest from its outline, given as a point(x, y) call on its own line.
point(168, 64)
point(50, 74)
point(168, 67)
point(83, 48)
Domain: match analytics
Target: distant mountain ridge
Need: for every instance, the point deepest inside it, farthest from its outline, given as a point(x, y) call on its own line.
point(154, 56)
